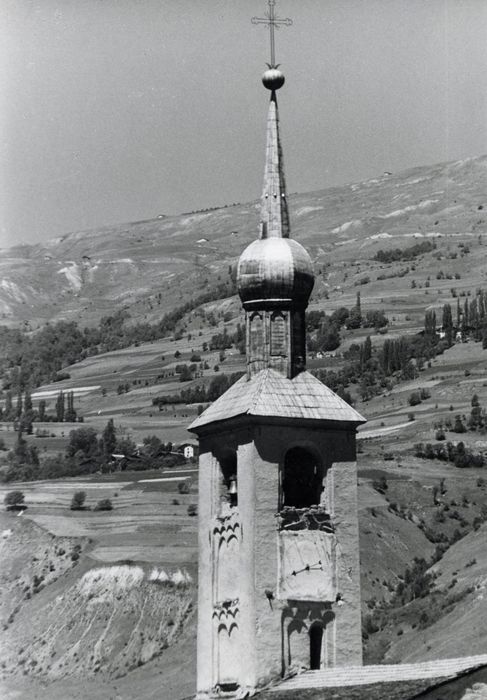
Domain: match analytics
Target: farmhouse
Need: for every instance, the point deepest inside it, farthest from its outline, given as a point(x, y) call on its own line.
point(187, 449)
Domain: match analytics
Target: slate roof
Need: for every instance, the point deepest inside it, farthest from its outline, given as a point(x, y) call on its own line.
point(269, 393)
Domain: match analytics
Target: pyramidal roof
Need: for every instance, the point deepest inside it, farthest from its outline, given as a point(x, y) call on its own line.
point(270, 394)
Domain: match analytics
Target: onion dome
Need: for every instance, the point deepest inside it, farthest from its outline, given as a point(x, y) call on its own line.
point(277, 269)
point(274, 267)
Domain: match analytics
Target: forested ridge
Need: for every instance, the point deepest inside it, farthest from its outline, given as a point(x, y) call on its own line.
point(35, 358)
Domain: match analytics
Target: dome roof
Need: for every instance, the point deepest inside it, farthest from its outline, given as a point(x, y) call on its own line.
point(275, 268)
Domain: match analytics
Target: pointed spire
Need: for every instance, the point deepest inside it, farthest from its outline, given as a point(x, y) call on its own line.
point(274, 214)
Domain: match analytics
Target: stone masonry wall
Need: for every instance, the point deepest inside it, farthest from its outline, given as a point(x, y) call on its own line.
point(272, 635)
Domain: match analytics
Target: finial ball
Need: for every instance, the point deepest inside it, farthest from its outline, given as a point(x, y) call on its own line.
point(273, 79)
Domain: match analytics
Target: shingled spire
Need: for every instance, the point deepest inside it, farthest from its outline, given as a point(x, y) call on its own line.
point(274, 273)
point(274, 214)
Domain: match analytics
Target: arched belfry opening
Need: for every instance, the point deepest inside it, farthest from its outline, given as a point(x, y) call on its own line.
point(302, 481)
point(315, 645)
point(228, 493)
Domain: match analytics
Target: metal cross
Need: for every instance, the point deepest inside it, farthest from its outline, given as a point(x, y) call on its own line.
point(273, 23)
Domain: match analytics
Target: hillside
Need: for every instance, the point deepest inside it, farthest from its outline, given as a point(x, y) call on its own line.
point(97, 602)
point(85, 275)
point(409, 505)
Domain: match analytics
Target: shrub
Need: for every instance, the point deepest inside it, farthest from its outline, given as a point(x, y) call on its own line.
point(380, 485)
point(414, 399)
point(410, 417)
point(192, 509)
point(14, 500)
point(78, 500)
point(370, 626)
point(104, 504)
point(184, 486)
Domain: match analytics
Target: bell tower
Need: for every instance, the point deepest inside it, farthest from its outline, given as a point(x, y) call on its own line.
point(279, 578)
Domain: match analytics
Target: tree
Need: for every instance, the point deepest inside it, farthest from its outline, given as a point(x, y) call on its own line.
point(185, 375)
point(355, 318)
point(18, 408)
point(78, 500)
point(82, 440)
point(430, 325)
point(447, 323)
point(9, 413)
point(26, 422)
point(414, 399)
point(27, 401)
point(476, 418)
point(328, 336)
point(108, 439)
point(459, 426)
point(60, 407)
point(70, 415)
point(14, 499)
point(104, 504)
point(42, 410)
point(126, 446)
point(366, 351)
point(375, 319)
point(152, 445)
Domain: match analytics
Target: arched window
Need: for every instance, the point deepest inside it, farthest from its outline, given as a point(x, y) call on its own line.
point(315, 642)
point(302, 482)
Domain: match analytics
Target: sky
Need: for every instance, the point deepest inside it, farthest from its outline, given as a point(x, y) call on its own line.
point(119, 110)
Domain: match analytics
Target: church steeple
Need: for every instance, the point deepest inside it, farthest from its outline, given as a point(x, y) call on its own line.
point(278, 576)
point(274, 214)
point(275, 274)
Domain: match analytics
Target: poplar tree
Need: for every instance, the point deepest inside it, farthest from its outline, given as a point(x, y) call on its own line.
point(42, 410)
point(447, 323)
point(60, 407)
point(8, 406)
point(108, 438)
point(27, 401)
point(70, 415)
point(18, 408)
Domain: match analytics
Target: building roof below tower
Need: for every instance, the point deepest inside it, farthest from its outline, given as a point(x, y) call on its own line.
point(270, 394)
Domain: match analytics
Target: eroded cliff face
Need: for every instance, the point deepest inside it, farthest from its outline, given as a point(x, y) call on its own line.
point(63, 617)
